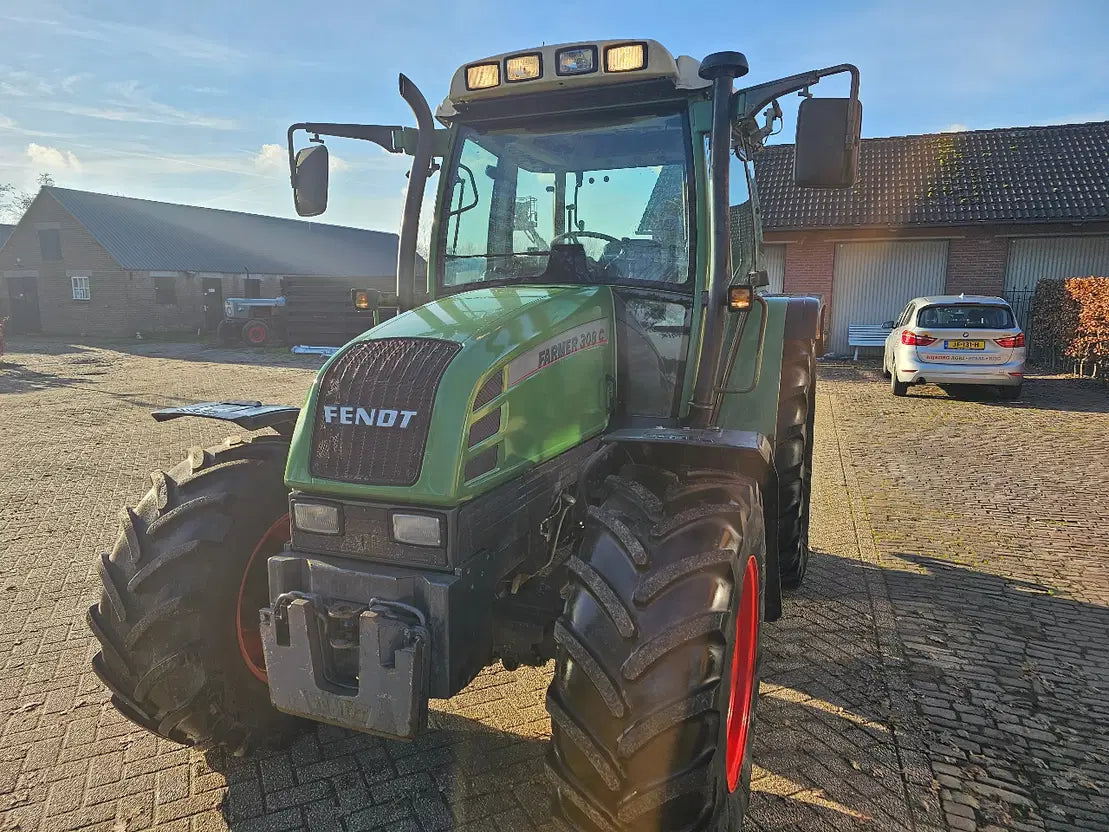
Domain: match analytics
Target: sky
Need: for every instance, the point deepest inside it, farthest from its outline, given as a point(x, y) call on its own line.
point(189, 102)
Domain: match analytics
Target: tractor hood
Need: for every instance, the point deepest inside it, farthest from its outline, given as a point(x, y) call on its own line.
point(448, 400)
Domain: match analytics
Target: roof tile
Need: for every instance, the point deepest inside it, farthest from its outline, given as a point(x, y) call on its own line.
point(1015, 174)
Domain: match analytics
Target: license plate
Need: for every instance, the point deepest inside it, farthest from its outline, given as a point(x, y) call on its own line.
point(964, 345)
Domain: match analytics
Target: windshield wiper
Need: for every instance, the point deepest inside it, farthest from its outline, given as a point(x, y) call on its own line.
point(495, 254)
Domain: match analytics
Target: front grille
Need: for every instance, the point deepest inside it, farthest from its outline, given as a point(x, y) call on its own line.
point(374, 410)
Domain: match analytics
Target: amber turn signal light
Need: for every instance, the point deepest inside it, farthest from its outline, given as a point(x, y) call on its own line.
point(739, 298)
point(364, 299)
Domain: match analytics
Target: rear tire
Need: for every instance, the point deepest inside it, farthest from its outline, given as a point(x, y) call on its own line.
point(1010, 394)
point(170, 652)
point(256, 333)
point(641, 695)
point(793, 449)
point(898, 388)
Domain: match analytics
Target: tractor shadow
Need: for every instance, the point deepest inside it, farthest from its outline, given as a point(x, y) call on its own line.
point(18, 378)
point(988, 675)
point(999, 679)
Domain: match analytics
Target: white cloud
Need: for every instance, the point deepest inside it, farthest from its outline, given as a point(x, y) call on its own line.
point(270, 157)
point(955, 128)
point(150, 112)
point(276, 157)
point(53, 159)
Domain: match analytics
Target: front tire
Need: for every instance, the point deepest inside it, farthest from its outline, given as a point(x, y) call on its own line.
point(656, 678)
point(228, 332)
point(173, 652)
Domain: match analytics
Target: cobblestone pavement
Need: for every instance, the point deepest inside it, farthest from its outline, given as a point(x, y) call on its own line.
point(946, 664)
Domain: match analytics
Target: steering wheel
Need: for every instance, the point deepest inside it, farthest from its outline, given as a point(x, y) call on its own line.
point(603, 262)
point(597, 235)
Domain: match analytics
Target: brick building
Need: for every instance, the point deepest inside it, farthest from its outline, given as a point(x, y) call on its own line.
point(982, 212)
point(81, 263)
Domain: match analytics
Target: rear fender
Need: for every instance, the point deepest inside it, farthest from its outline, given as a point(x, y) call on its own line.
point(247, 415)
point(733, 451)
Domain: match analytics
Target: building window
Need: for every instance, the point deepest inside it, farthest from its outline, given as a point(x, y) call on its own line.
point(164, 290)
point(252, 287)
point(50, 243)
point(81, 290)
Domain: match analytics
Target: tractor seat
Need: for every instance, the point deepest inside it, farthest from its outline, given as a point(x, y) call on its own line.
point(567, 264)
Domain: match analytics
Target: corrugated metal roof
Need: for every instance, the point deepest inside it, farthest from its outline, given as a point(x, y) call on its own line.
point(145, 235)
point(1011, 175)
point(5, 232)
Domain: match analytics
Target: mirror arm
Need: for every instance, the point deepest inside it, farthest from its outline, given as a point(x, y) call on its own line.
point(380, 134)
point(747, 103)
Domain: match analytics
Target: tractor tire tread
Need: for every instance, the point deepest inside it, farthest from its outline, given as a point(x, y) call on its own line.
point(606, 763)
point(169, 666)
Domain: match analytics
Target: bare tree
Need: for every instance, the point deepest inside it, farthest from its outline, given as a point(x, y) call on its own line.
point(14, 202)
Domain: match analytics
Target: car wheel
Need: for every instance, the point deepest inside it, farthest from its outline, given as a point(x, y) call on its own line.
point(898, 388)
point(1010, 394)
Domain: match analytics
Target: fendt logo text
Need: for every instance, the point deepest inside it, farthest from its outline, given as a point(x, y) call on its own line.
point(376, 417)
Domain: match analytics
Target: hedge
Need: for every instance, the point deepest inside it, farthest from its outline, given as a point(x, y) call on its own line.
point(1071, 317)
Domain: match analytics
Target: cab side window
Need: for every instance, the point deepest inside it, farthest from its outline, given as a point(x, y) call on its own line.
point(906, 316)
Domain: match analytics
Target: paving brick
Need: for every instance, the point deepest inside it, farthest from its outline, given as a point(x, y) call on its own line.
point(947, 636)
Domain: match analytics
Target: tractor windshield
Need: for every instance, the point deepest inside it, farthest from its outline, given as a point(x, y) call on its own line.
point(605, 201)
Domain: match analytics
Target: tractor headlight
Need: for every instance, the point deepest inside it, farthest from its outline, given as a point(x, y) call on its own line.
point(417, 529)
point(626, 57)
point(522, 67)
point(577, 60)
point(317, 518)
point(483, 76)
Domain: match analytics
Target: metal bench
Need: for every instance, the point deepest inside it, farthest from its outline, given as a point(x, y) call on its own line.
point(866, 335)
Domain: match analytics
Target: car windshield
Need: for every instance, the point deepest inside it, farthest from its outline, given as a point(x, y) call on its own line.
point(601, 202)
point(966, 316)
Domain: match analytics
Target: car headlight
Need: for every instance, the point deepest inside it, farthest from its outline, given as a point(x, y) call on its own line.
point(317, 518)
point(417, 529)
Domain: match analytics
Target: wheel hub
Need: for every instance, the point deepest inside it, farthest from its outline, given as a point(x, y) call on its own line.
point(744, 657)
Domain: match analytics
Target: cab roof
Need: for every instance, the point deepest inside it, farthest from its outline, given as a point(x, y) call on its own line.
point(660, 65)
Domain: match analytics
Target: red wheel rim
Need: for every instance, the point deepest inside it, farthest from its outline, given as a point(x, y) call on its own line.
point(744, 655)
point(246, 620)
point(256, 334)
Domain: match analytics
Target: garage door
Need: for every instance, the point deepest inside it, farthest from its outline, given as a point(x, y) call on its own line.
point(1031, 260)
point(774, 261)
point(872, 282)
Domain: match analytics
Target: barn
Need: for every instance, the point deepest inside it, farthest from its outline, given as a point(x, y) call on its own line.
point(88, 264)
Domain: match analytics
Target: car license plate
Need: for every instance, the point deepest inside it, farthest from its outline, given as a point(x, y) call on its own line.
point(964, 345)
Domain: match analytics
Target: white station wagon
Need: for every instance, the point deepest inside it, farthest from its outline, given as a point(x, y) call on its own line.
point(955, 339)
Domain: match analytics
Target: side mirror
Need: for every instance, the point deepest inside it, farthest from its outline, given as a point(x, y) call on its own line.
point(887, 325)
point(310, 181)
point(826, 154)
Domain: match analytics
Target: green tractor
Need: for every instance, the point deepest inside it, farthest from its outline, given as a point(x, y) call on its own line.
point(587, 438)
